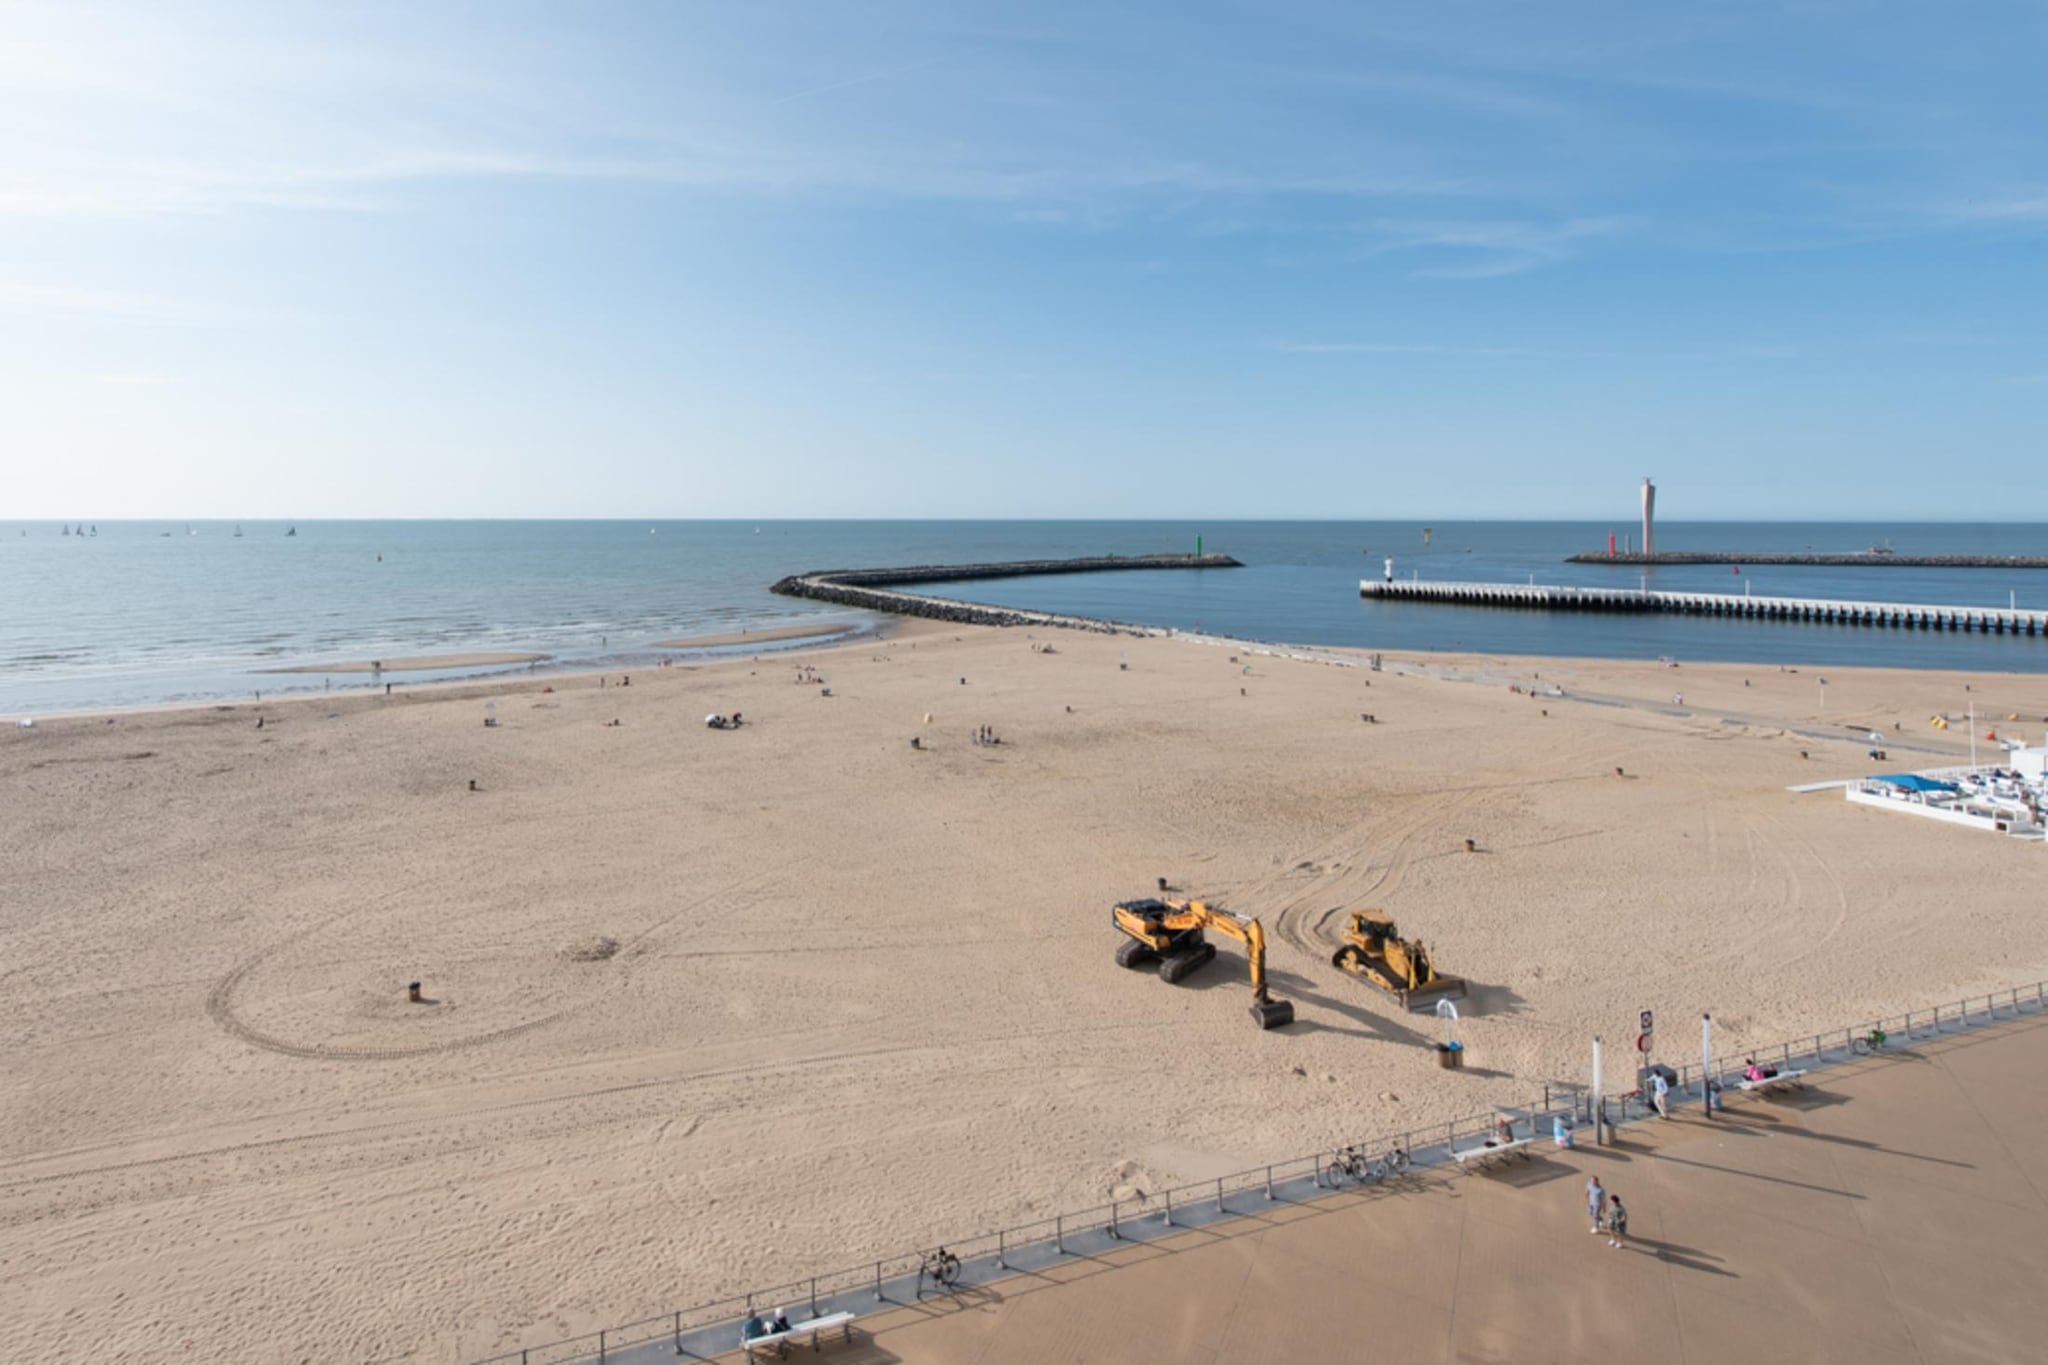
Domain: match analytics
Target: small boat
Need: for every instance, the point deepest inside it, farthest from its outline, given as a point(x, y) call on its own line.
point(294, 531)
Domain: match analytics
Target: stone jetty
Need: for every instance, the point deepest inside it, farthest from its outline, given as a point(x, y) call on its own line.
point(1875, 559)
point(879, 589)
point(1541, 597)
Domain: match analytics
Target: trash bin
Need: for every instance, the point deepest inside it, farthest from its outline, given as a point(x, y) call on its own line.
point(1446, 1058)
point(1457, 1056)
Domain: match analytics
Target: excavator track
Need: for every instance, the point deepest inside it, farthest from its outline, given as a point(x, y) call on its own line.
point(1133, 954)
point(1186, 964)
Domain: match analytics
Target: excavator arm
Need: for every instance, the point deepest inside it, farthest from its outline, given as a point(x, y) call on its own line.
point(1173, 932)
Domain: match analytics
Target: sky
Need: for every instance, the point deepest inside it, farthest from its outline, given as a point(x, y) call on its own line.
point(1294, 258)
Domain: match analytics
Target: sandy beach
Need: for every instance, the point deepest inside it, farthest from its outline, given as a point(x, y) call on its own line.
point(709, 1009)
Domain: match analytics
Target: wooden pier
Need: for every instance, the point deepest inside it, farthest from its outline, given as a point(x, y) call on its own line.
point(1548, 597)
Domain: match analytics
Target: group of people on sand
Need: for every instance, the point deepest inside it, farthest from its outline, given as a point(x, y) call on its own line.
point(718, 720)
point(987, 735)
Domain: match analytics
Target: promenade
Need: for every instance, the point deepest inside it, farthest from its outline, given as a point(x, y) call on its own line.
point(1891, 1212)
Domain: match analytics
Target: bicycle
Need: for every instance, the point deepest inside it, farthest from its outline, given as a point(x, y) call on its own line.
point(1352, 1163)
point(1870, 1042)
point(942, 1268)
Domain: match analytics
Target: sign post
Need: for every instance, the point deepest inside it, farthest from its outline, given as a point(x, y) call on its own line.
point(1599, 1100)
point(1707, 1063)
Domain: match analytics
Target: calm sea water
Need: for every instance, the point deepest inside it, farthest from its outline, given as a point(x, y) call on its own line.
point(147, 613)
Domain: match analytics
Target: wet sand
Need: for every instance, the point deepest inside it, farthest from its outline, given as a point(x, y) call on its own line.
point(768, 636)
point(419, 663)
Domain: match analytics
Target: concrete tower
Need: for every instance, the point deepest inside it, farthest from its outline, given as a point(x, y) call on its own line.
point(1649, 518)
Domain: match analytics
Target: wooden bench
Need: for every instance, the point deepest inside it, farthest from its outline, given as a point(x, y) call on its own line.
point(1492, 1151)
point(779, 1341)
point(1790, 1078)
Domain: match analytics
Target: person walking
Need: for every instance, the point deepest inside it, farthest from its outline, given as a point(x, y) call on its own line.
point(1617, 1223)
point(1660, 1093)
point(1596, 1202)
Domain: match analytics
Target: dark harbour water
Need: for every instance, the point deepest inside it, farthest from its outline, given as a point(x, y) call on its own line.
point(145, 613)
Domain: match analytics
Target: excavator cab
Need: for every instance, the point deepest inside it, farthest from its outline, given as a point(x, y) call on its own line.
point(1174, 934)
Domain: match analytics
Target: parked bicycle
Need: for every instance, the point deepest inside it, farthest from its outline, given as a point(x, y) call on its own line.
point(1870, 1042)
point(1353, 1163)
point(942, 1268)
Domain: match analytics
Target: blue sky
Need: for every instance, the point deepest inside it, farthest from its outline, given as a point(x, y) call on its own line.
point(1282, 259)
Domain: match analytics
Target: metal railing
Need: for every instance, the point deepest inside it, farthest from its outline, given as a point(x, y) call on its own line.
point(1833, 1046)
point(711, 1328)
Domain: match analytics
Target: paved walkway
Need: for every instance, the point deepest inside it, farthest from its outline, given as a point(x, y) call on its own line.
point(1891, 1212)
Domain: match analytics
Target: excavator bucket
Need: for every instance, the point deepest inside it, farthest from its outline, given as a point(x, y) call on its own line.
point(1273, 1013)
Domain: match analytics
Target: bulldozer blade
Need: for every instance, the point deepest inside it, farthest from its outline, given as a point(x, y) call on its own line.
point(1273, 1013)
point(1425, 997)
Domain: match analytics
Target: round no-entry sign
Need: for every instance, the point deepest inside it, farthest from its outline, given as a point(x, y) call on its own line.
point(1643, 1042)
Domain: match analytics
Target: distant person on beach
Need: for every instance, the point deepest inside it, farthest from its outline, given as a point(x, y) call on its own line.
point(1596, 1202)
point(1660, 1094)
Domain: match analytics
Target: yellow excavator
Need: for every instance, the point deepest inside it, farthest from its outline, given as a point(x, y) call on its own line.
point(1174, 935)
point(1375, 951)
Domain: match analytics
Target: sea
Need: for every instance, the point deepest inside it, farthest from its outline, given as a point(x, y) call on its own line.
point(134, 613)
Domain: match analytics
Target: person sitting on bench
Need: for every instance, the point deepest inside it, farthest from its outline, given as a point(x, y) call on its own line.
point(1752, 1072)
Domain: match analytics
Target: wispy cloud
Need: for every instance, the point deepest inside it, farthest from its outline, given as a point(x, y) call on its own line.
point(2027, 208)
point(1485, 249)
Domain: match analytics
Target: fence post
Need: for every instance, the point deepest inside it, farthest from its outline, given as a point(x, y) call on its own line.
point(1219, 1194)
point(1269, 1184)
point(1001, 1263)
point(1115, 1233)
point(1059, 1233)
point(814, 1296)
point(600, 1346)
point(1937, 1019)
point(1169, 1208)
point(679, 1333)
point(879, 1297)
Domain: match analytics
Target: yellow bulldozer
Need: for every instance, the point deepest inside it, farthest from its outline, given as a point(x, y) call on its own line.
point(1375, 951)
point(1174, 934)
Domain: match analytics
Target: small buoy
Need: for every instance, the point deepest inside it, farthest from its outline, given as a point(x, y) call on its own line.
point(412, 992)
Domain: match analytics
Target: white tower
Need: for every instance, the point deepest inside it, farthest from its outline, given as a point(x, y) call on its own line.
point(1649, 518)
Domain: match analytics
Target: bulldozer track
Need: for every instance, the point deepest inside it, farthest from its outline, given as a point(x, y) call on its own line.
point(220, 1007)
point(1303, 926)
point(220, 1001)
